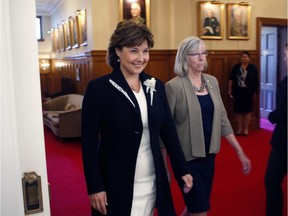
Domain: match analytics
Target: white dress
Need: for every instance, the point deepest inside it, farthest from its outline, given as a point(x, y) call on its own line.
point(144, 196)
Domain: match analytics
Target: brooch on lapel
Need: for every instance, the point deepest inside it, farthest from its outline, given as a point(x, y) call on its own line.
point(150, 85)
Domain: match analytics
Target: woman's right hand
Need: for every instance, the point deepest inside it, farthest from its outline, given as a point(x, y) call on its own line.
point(99, 202)
point(188, 180)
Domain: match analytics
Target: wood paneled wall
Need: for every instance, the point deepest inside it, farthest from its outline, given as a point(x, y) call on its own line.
point(161, 65)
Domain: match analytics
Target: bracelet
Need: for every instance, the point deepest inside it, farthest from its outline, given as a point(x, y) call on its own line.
point(239, 152)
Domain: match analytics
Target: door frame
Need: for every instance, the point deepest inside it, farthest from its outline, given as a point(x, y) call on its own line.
point(269, 22)
point(272, 22)
point(262, 21)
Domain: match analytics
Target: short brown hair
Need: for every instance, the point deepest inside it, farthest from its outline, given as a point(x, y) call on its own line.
point(246, 53)
point(127, 34)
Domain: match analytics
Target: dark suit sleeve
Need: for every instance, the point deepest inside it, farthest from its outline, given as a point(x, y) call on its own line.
point(91, 116)
point(171, 142)
point(279, 115)
point(256, 80)
point(233, 72)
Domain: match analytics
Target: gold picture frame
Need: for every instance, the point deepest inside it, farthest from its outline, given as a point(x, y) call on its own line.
point(238, 21)
point(53, 40)
point(62, 40)
point(127, 9)
point(211, 20)
point(75, 31)
point(56, 40)
point(82, 19)
point(67, 31)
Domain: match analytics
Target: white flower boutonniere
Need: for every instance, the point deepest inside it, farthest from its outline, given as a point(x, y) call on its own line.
point(150, 85)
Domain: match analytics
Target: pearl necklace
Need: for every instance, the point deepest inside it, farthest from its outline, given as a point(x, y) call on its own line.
point(202, 87)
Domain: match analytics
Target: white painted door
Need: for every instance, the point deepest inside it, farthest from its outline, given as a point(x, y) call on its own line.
point(268, 79)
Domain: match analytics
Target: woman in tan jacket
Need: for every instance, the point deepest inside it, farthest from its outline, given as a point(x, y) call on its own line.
point(201, 119)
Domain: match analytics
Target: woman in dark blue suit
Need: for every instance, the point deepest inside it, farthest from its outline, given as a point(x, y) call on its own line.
point(277, 163)
point(123, 115)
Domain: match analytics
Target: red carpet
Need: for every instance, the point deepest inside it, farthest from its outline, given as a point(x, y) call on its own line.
point(68, 195)
point(233, 194)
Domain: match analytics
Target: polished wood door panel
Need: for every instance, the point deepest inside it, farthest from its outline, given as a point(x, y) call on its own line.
point(217, 68)
point(161, 64)
point(159, 68)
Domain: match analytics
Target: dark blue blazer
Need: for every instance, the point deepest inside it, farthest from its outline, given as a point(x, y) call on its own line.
point(279, 117)
point(111, 134)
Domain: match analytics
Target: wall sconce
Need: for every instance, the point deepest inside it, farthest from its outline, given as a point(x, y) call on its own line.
point(77, 73)
point(44, 66)
point(59, 66)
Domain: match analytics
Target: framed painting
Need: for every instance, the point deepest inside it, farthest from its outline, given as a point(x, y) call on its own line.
point(52, 37)
point(61, 37)
point(238, 21)
point(82, 19)
point(67, 32)
point(75, 31)
point(71, 30)
point(137, 11)
point(211, 20)
point(56, 40)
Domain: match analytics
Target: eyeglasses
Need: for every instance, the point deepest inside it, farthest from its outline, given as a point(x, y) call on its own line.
point(197, 55)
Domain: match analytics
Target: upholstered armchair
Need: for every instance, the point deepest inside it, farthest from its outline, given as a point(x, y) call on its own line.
point(63, 115)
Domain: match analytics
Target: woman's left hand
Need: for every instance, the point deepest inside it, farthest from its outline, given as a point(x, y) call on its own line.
point(246, 164)
point(188, 179)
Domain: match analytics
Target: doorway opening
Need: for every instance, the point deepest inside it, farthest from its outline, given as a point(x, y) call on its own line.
point(271, 39)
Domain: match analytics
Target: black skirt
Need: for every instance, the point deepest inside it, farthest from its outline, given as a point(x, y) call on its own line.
point(202, 170)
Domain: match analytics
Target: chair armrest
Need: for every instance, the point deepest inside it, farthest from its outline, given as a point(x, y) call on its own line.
point(70, 123)
point(56, 104)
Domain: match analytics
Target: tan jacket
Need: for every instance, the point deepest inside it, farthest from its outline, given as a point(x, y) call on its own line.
point(186, 112)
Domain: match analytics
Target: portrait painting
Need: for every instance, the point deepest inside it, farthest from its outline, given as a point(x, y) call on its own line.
point(61, 37)
point(238, 21)
point(75, 31)
point(71, 30)
point(210, 20)
point(56, 39)
point(82, 19)
point(53, 40)
point(67, 31)
point(135, 10)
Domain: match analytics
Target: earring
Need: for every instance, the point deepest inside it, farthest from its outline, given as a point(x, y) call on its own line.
point(118, 60)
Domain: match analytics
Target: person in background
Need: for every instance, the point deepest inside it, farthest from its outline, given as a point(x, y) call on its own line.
point(123, 115)
point(135, 10)
point(277, 163)
point(211, 26)
point(243, 86)
point(200, 118)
